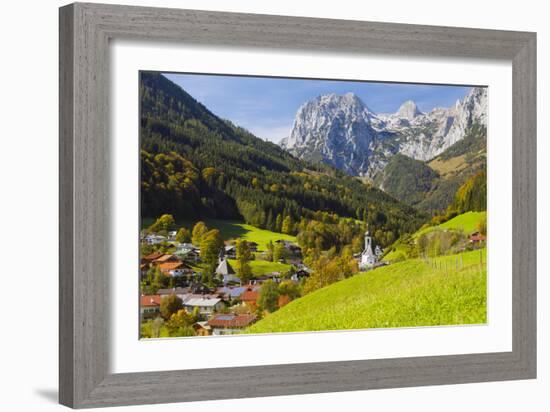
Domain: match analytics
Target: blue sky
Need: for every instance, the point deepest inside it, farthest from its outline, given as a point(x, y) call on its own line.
point(266, 106)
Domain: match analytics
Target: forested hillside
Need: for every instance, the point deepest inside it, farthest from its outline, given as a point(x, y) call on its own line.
point(455, 166)
point(196, 165)
point(431, 187)
point(407, 179)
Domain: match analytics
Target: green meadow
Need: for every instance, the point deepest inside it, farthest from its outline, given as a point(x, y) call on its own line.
point(467, 222)
point(261, 267)
point(233, 229)
point(449, 290)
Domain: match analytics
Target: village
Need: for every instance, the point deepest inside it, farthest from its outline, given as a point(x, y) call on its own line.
point(230, 305)
point(177, 299)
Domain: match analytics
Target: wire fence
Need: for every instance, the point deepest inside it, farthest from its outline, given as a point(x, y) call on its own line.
point(447, 263)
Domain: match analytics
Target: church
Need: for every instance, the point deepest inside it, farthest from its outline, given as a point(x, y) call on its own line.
point(369, 258)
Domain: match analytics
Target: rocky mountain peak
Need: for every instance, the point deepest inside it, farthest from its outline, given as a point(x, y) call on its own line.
point(342, 131)
point(408, 110)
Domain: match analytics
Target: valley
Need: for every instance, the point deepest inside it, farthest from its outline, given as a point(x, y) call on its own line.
point(356, 220)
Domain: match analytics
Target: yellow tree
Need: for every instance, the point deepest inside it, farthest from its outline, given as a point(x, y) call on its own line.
point(198, 232)
point(210, 245)
point(244, 256)
point(287, 225)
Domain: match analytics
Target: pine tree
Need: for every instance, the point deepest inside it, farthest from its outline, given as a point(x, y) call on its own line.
point(278, 223)
point(287, 225)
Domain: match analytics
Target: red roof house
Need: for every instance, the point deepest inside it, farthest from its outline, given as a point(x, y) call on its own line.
point(152, 256)
point(229, 323)
point(477, 237)
point(249, 296)
point(149, 306)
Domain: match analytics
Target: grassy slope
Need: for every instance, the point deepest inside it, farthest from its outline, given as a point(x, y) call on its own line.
point(261, 267)
point(410, 293)
point(232, 229)
point(466, 222)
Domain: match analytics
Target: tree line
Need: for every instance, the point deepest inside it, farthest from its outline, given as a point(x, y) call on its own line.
point(195, 166)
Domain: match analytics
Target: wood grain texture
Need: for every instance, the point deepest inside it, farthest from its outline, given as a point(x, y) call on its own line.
point(85, 31)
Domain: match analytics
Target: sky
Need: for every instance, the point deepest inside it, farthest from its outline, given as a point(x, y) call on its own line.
point(266, 106)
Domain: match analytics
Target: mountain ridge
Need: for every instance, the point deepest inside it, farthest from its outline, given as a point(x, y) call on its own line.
point(195, 165)
point(346, 134)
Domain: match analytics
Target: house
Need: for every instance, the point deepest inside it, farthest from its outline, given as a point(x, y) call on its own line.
point(477, 238)
point(228, 324)
point(151, 257)
point(172, 234)
point(367, 259)
point(206, 305)
point(189, 255)
point(166, 258)
point(299, 275)
point(185, 246)
point(294, 260)
point(231, 293)
point(199, 289)
point(250, 297)
point(175, 268)
point(230, 252)
point(154, 239)
point(149, 306)
point(225, 270)
point(292, 248)
point(181, 293)
point(253, 246)
point(202, 328)
point(274, 276)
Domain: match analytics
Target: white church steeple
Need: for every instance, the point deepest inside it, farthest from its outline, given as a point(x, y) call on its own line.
point(368, 258)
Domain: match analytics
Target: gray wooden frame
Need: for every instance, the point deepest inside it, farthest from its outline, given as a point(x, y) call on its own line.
point(85, 31)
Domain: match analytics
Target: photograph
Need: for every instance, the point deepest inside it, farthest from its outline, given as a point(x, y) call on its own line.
point(283, 205)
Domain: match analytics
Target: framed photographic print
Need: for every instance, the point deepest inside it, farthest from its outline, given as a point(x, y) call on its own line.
point(304, 205)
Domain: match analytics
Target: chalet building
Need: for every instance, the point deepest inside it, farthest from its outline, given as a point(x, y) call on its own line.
point(202, 328)
point(165, 259)
point(229, 293)
point(250, 297)
point(299, 275)
point(149, 306)
point(206, 305)
point(175, 268)
point(189, 255)
point(228, 324)
point(225, 270)
point(274, 276)
point(229, 252)
point(185, 247)
point(151, 257)
point(290, 247)
point(154, 239)
point(477, 238)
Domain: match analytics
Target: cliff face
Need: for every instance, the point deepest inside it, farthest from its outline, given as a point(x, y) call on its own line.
point(342, 131)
